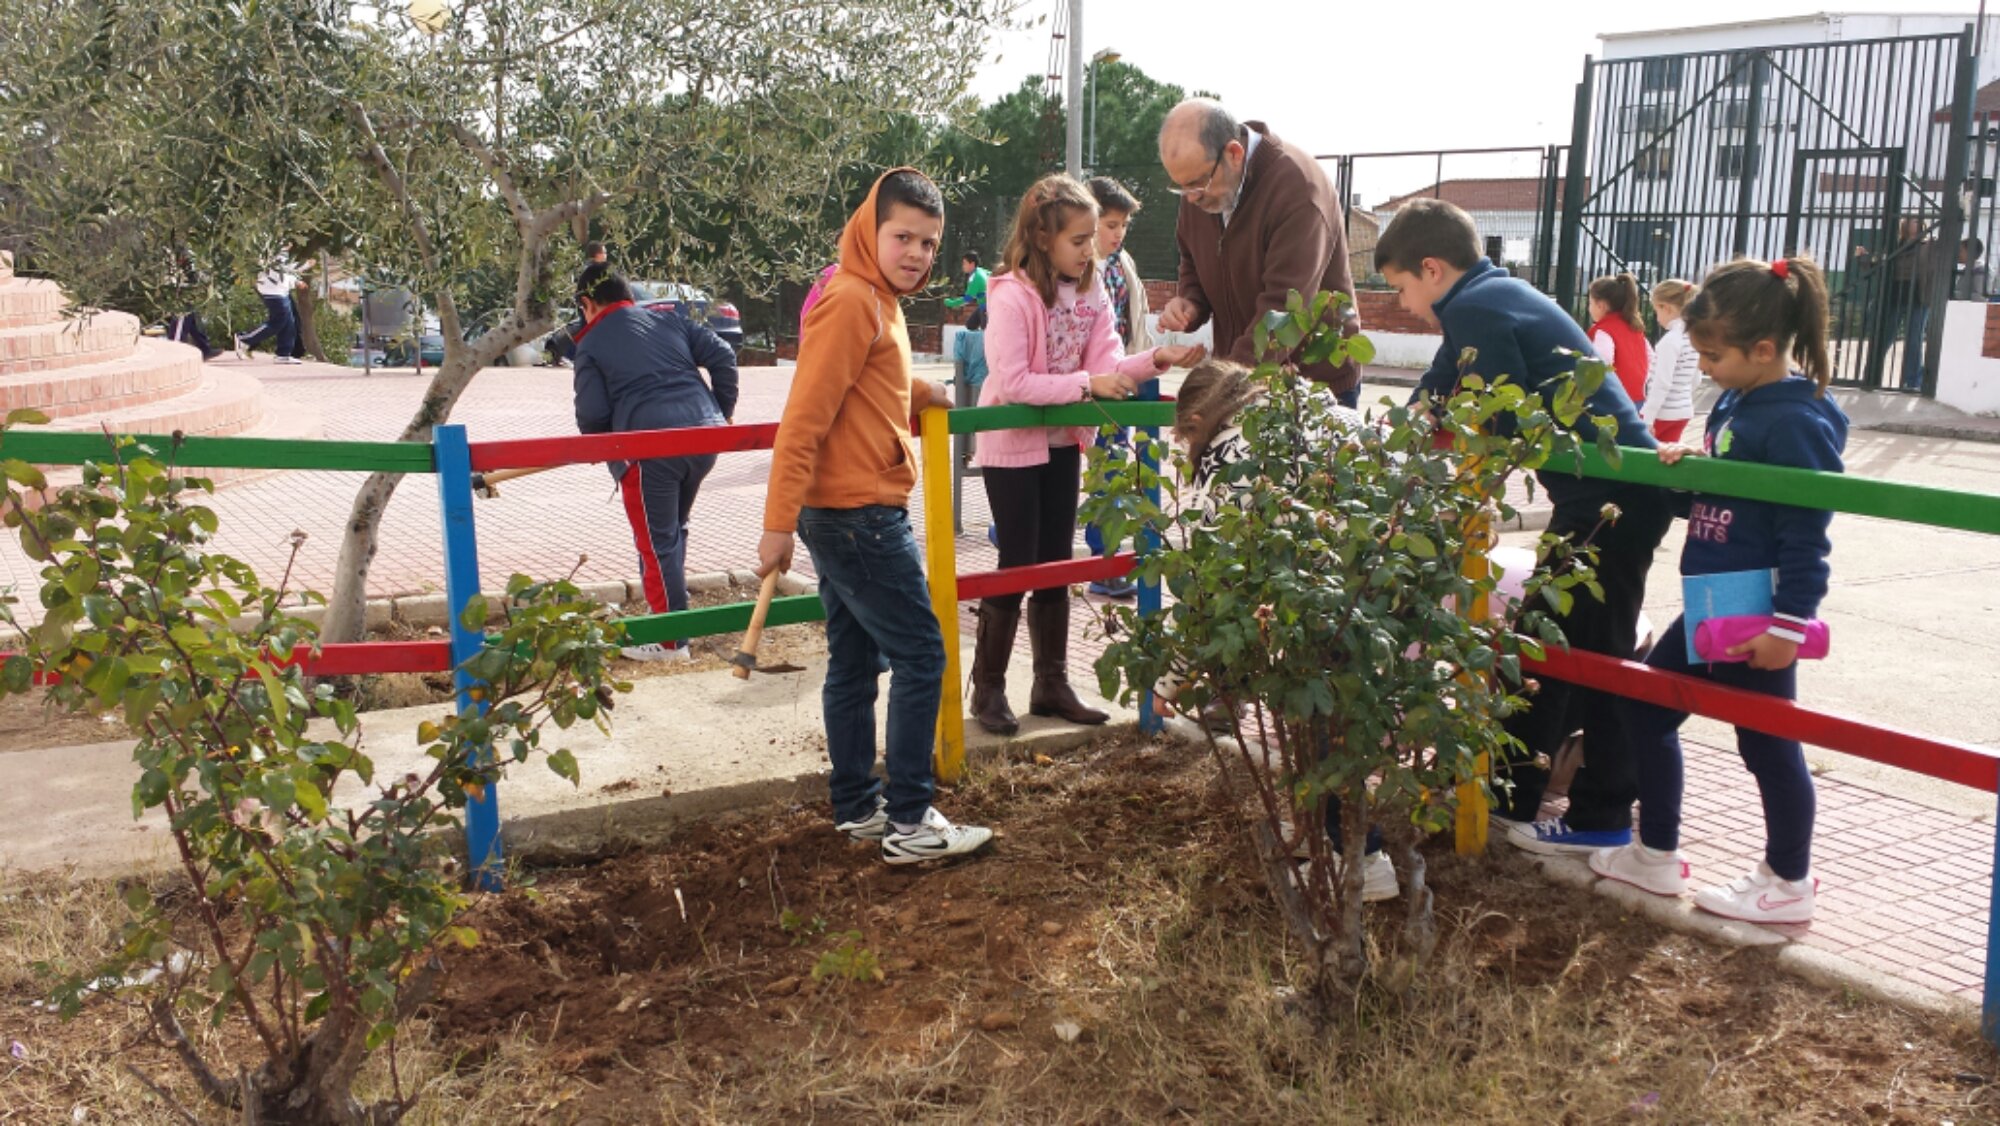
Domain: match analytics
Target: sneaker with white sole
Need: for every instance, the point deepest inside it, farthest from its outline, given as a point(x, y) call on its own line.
point(1761, 897)
point(934, 839)
point(242, 349)
point(1378, 877)
point(656, 651)
point(871, 827)
point(290, 360)
point(1554, 837)
point(1648, 869)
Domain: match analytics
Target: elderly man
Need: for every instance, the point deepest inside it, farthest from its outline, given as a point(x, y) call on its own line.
point(1258, 219)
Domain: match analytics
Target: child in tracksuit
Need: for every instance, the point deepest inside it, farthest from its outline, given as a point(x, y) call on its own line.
point(1761, 332)
point(641, 370)
point(842, 468)
point(1431, 255)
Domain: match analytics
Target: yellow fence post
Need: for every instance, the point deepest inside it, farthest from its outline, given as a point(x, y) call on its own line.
point(1470, 823)
point(941, 560)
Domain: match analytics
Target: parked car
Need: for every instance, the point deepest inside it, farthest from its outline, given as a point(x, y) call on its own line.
point(721, 317)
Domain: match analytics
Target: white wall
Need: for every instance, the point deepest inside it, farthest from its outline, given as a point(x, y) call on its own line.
point(1967, 380)
point(1404, 349)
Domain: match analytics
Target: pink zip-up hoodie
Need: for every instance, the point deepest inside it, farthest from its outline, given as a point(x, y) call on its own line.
point(1017, 365)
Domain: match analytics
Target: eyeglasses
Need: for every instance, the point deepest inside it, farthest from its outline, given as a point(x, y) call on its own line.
point(1207, 182)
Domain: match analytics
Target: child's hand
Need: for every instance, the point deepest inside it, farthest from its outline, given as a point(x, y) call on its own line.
point(1113, 386)
point(1674, 451)
point(1178, 356)
point(1768, 651)
point(1163, 708)
point(940, 395)
point(774, 552)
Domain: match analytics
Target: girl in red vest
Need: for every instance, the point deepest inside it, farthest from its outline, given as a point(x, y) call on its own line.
point(1618, 333)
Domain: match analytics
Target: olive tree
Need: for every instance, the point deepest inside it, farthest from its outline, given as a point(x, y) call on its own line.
point(462, 153)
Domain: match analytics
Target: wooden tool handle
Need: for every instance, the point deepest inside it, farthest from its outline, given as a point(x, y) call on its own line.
point(755, 633)
point(499, 475)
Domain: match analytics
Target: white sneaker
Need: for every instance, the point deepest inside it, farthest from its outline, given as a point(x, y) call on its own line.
point(934, 839)
point(1378, 877)
point(1662, 873)
point(242, 349)
point(1761, 897)
point(871, 827)
point(290, 360)
point(657, 651)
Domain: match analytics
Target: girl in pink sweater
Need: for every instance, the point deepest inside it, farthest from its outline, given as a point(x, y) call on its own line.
point(1049, 327)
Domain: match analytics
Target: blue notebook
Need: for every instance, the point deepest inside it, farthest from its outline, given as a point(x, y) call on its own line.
point(1725, 594)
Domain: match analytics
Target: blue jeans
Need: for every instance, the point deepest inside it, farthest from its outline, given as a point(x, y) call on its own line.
point(279, 321)
point(1915, 337)
point(878, 618)
point(1779, 765)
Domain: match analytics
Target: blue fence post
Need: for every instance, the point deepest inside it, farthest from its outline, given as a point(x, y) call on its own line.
point(461, 585)
point(1149, 590)
point(1989, 1009)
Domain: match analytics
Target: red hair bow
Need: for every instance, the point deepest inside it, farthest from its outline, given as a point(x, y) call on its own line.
point(1783, 268)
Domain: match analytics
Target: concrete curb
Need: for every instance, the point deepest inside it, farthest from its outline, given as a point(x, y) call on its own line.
point(575, 836)
point(1820, 967)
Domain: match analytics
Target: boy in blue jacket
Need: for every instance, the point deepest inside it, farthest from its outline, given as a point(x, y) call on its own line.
point(1431, 255)
point(640, 370)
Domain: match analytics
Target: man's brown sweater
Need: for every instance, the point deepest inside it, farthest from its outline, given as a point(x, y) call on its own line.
point(1286, 233)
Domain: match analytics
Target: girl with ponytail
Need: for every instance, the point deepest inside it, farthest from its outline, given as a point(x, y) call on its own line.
point(1760, 330)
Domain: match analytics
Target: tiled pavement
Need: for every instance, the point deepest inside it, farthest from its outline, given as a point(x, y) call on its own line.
point(1904, 885)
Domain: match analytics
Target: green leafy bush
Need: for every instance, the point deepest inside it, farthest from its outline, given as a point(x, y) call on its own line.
point(318, 891)
point(1320, 613)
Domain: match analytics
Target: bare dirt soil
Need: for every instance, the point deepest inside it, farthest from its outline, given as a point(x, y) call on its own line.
point(1113, 958)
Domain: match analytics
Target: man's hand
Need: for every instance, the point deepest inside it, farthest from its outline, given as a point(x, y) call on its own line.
point(1768, 651)
point(1674, 451)
point(940, 395)
point(1177, 314)
point(1178, 356)
point(1350, 323)
point(774, 553)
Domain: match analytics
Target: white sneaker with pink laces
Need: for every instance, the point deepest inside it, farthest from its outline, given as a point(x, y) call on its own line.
point(1761, 897)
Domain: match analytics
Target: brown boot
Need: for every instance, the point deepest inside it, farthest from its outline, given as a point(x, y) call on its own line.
point(997, 624)
point(1048, 636)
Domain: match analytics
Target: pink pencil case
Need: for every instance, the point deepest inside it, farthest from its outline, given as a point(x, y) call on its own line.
point(1715, 637)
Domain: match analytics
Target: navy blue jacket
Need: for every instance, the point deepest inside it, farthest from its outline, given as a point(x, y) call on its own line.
point(637, 370)
point(1519, 333)
point(1781, 423)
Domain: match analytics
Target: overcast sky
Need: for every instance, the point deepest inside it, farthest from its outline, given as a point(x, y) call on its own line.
point(1389, 75)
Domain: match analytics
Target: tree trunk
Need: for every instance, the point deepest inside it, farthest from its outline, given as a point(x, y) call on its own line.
point(347, 606)
point(306, 302)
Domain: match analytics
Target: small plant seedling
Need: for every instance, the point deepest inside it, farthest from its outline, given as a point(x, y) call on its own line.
point(849, 961)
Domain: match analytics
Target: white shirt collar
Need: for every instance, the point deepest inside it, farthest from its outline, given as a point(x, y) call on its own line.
point(1249, 150)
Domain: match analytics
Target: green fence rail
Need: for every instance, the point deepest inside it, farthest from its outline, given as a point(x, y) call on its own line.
point(48, 447)
point(971, 420)
point(1839, 492)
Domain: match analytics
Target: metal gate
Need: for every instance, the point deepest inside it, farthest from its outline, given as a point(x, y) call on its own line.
point(1682, 162)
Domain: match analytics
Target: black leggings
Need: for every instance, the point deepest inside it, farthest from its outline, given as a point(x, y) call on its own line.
point(1034, 514)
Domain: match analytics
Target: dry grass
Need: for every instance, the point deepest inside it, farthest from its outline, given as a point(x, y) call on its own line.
point(1542, 1005)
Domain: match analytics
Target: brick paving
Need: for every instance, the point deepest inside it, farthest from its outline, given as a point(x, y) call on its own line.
point(1903, 886)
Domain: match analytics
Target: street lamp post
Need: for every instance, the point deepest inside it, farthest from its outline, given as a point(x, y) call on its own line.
point(1107, 55)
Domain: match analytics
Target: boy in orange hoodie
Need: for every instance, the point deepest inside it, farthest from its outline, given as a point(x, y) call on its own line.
point(842, 469)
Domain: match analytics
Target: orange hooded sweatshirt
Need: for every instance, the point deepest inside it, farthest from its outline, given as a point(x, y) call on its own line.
point(844, 440)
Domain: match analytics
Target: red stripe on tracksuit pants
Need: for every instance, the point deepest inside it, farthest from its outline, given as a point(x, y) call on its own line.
point(659, 496)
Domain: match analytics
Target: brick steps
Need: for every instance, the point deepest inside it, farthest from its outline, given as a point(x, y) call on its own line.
point(29, 301)
point(90, 339)
point(96, 372)
point(155, 370)
point(223, 402)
